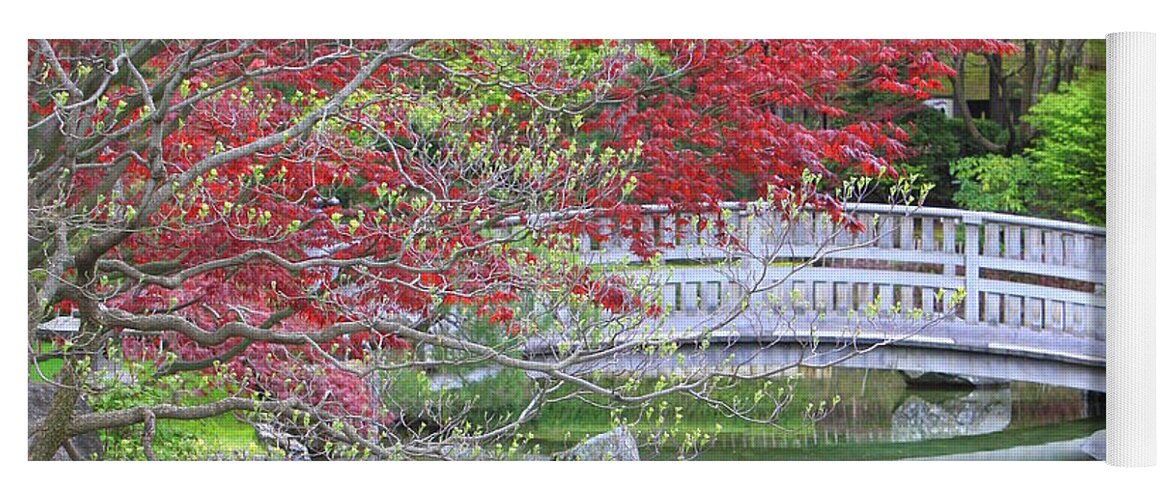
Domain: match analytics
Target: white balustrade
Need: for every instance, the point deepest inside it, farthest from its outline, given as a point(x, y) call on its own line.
point(1016, 271)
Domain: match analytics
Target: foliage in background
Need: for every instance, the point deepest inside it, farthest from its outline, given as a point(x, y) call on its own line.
point(994, 183)
point(1070, 151)
point(937, 142)
point(136, 386)
point(1062, 176)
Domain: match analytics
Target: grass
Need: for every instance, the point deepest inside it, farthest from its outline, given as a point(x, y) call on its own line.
point(220, 434)
point(44, 370)
point(175, 439)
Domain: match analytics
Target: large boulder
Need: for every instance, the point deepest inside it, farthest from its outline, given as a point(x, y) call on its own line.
point(40, 396)
point(980, 412)
point(1095, 445)
point(618, 444)
point(276, 438)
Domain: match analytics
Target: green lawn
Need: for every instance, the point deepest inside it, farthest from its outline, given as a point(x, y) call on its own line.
point(186, 439)
point(177, 439)
point(221, 434)
point(44, 371)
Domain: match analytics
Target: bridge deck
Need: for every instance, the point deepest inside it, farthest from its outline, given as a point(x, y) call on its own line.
point(1009, 353)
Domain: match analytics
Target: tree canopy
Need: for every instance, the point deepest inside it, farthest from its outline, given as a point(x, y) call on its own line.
point(1062, 174)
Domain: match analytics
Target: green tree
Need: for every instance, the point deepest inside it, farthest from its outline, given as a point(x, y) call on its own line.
point(1070, 150)
point(938, 141)
point(1063, 175)
point(994, 183)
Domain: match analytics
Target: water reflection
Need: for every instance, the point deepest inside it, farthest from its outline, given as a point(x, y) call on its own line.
point(880, 415)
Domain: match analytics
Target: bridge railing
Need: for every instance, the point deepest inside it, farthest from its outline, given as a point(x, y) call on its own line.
point(1018, 272)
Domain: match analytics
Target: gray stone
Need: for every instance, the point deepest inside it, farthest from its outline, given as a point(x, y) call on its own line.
point(239, 456)
point(40, 396)
point(980, 412)
point(272, 437)
point(618, 444)
point(465, 453)
point(1095, 445)
point(472, 452)
point(112, 371)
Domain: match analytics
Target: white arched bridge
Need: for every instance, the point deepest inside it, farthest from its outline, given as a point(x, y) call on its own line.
point(1032, 308)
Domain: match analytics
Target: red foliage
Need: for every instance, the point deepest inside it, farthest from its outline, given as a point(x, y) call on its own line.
point(765, 111)
point(728, 114)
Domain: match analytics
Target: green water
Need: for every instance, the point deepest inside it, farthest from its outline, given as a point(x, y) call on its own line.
point(877, 418)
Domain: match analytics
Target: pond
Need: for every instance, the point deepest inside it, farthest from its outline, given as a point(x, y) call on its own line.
point(879, 417)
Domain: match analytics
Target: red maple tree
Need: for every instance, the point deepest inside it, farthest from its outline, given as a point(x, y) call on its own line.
point(274, 208)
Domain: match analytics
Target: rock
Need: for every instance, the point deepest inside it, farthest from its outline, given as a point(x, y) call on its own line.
point(239, 456)
point(980, 412)
point(1095, 445)
point(112, 371)
point(40, 396)
point(470, 452)
point(464, 453)
point(618, 444)
point(272, 437)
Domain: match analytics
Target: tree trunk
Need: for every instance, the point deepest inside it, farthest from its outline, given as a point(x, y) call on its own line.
point(1055, 80)
point(1000, 100)
point(55, 429)
point(957, 83)
point(1042, 61)
point(1028, 89)
point(997, 105)
point(1074, 59)
point(34, 314)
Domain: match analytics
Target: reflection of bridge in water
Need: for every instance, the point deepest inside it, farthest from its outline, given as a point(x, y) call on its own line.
point(879, 417)
point(1033, 307)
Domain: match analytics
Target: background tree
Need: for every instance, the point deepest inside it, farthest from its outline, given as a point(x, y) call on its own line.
point(1063, 175)
point(1038, 67)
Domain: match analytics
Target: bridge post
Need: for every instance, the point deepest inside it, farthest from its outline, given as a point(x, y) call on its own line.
point(972, 267)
